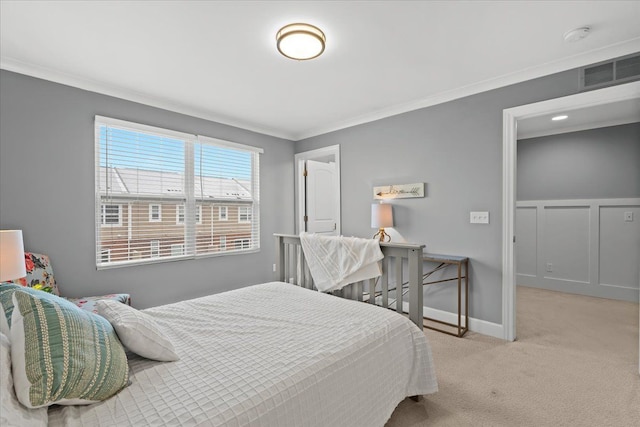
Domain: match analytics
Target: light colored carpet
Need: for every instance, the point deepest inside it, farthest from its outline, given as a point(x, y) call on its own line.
point(575, 363)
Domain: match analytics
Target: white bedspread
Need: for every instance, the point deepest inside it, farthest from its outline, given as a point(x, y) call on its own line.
point(270, 355)
point(336, 261)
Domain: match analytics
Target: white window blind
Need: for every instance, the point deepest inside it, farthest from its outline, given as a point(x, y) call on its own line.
point(160, 194)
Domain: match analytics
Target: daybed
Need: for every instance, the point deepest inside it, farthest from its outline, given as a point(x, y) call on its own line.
point(269, 355)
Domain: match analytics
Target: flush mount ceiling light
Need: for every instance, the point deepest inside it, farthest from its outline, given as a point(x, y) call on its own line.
point(300, 41)
point(558, 118)
point(576, 34)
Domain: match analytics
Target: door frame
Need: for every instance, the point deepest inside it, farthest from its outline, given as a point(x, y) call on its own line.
point(300, 189)
point(510, 116)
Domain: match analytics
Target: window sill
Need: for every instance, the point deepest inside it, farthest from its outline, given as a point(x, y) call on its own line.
point(119, 264)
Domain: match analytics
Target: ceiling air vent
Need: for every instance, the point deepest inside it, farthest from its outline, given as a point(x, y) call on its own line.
point(616, 71)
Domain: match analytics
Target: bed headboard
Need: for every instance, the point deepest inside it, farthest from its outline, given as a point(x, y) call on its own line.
point(291, 267)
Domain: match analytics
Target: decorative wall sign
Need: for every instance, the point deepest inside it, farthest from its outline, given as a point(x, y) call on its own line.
point(399, 191)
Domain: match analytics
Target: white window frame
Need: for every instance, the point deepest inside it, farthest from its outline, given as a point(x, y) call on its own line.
point(222, 217)
point(193, 217)
point(103, 215)
point(151, 218)
point(179, 208)
point(154, 252)
point(248, 214)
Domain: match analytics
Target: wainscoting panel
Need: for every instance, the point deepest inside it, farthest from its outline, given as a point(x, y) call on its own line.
point(566, 243)
point(587, 247)
point(619, 246)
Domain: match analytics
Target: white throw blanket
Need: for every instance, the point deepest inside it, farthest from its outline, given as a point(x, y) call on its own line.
point(336, 261)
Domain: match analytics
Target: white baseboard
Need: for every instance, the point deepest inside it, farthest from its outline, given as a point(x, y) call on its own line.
point(475, 325)
point(483, 327)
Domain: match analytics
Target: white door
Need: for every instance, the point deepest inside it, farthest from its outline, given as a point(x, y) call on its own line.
point(321, 203)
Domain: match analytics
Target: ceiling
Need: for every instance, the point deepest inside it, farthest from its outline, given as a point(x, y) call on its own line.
point(218, 60)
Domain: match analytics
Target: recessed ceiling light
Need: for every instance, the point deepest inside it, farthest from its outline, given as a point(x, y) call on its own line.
point(300, 41)
point(558, 118)
point(576, 34)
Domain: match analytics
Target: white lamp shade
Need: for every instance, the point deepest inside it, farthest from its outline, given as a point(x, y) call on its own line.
point(381, 215)
point(11, 255)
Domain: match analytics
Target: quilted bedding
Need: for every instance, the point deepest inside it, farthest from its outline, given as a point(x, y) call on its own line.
point(270, 355)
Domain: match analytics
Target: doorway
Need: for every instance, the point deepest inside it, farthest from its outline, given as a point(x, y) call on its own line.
point(620, 93)
point(317, 187)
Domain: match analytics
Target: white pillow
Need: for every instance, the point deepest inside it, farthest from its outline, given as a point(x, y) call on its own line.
point(137, 331)
point(12, 413)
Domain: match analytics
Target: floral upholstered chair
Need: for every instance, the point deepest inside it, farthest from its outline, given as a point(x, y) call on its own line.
point(40, 276)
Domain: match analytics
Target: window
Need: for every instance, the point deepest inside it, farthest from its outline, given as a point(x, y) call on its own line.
point(199, 214)
point(105, 255)
point(154, 249)
point(223, 213)
point(244, 214)
point(223, 243)
point(111, 215)
point(242, 243)
point(180, 214)
point(142, 171)
point(155, 213)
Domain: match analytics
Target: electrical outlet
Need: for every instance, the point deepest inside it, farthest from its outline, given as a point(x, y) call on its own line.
point(479, 218)
point(274, 268)
point(549, 267)
point(628, 217)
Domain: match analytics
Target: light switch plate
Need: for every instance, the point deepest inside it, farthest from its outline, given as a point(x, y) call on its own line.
point(479, 218)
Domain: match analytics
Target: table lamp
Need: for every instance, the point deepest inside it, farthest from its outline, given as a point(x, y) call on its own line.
point(381, 217)
point(12, 264)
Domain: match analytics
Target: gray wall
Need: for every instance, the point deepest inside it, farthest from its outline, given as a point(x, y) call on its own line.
point(47, 190)
point(456, 148)
point(591, 164)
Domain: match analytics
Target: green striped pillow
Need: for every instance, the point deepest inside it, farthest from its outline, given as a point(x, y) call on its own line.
point(62, 354)
point(6, 301)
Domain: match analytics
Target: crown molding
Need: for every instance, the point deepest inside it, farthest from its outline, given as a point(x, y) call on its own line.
point(575, 61)
point(44, 73)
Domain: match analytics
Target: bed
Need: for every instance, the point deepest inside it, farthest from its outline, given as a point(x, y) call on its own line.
point(271, 354)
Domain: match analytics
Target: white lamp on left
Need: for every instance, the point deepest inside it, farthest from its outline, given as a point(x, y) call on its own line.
point(12, 264)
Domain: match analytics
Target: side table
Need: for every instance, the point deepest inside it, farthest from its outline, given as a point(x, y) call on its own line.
point(445, 261)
